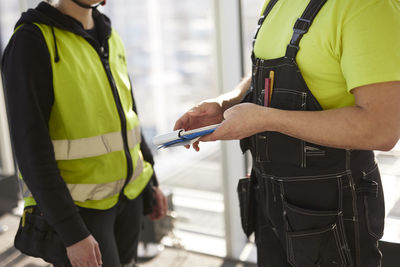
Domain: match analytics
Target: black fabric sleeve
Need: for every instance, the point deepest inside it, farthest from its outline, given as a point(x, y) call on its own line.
point(28, 87)
point(147, 155)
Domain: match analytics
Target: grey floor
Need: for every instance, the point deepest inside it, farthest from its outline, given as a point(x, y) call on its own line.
point(201, 176)
point(169, 257)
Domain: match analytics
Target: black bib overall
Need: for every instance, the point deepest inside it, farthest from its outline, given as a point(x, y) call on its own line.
point(315, 205)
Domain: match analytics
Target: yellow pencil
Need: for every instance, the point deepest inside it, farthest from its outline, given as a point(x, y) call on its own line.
point(271, 84)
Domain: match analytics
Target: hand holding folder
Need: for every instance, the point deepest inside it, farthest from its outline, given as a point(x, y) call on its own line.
point(181, 137)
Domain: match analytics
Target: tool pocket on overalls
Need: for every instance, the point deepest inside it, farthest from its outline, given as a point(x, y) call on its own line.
point(314, 224)
point(282, 148)
point(313, 238)
point(371, 190)
point(36, 238)
point(247, 205)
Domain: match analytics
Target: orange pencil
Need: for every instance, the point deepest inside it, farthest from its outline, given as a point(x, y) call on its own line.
point(271, 84)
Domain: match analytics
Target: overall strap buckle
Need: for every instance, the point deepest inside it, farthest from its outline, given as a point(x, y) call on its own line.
point(299, 29)
point(302, 26)
point(291, 51)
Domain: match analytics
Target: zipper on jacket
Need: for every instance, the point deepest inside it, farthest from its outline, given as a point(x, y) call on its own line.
point(104, 56)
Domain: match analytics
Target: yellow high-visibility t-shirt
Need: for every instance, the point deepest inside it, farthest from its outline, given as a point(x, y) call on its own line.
point(351, 43)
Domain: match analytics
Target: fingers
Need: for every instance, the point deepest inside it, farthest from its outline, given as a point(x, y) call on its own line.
point(85, 253)
point(181, 122)
point(195, 145)
point(98, 255)
point(165, 204)
point(188, 120)
point(92, 261)
point(160, 210)
point(184, 121)
point(208, 137)
point(160, 204)
point(156, 214)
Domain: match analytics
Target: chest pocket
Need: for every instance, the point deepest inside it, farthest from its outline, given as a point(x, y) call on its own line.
point(277, 147)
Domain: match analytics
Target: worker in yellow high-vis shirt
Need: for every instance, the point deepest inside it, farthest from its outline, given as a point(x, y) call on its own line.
point(324, 93)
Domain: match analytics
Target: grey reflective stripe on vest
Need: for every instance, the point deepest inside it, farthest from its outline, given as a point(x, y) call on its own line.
point(84, 192)
point(94, 146)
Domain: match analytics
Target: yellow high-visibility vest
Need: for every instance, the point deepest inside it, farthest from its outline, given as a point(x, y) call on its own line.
point(85, 126)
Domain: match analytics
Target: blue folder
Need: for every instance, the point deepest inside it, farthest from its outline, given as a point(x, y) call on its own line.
point(182, 137)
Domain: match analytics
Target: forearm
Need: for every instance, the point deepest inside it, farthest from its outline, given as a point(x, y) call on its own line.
point(349, 127)
point(148, 156)
point(234, 97)
point(373, 123)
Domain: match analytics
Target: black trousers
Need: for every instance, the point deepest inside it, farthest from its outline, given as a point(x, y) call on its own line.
point(322, 220)
point(116, 230)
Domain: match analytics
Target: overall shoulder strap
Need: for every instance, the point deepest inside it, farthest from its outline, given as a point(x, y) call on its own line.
point(302, 26)
point(267, 10)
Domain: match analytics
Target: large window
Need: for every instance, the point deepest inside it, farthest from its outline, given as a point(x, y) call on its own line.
point(9, 12)
point(251, 10)
point(389, 164)
point(6, 158)
point(171, 58)
point(172, 61)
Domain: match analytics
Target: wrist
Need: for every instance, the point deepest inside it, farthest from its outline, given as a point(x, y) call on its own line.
point(226, 101)
point(72, 230)
point(226, 104)
point(236, 96)
point(269, 119)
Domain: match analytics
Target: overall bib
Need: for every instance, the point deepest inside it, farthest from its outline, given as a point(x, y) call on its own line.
point(314, 205)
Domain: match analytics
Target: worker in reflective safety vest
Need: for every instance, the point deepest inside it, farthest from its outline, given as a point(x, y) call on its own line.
point(87, 171)
point(324, 92)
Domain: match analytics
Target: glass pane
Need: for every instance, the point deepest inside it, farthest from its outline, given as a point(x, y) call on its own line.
point(389, 164)
point(171, 59)
point(4, 157)
point(251, 10)
point(9, 13)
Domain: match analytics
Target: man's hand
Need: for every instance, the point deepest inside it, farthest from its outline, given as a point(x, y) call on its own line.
point(85, 253)
point(240, 121)
point(211, 111)
point(161, 207)
point(206, 113)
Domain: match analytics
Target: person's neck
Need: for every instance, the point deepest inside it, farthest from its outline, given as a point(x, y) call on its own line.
point(83, 15)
